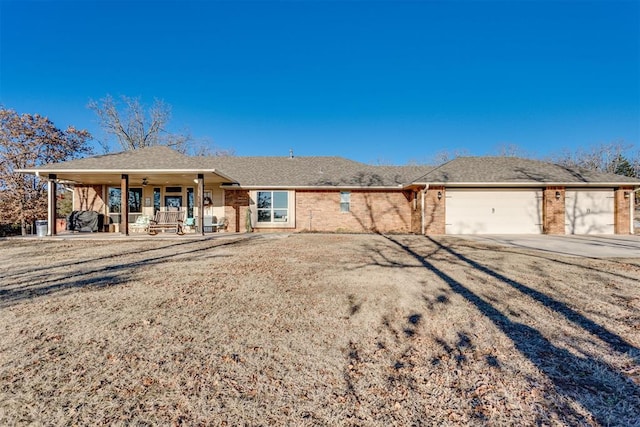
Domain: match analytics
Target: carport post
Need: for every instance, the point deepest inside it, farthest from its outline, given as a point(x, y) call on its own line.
point(201, 203)
point(124, 205)
point(51, 204)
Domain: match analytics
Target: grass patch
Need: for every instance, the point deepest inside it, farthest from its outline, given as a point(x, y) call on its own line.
point(315, 329)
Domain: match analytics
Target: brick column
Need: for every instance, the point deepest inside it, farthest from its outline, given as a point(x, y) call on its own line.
point(553, 210)
point(434, 210)
point(622, 220)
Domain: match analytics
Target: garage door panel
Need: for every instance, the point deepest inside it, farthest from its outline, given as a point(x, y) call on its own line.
point(589, 211)
point(494, 212)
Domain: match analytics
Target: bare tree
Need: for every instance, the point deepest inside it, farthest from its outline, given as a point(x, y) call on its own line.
point(608, 158)
point(511, 150)
point(134, 127)
point(207, 148)
point(635, 164)
point(28, 141)
point(443, 156)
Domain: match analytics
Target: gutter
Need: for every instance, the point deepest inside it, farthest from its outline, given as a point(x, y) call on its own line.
point(309, 187)
point(38, 172)
point(529, 184)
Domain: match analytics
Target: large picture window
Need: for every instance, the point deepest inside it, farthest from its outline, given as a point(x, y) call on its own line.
point(114, 203)
point(135, 200)
point(273, 206)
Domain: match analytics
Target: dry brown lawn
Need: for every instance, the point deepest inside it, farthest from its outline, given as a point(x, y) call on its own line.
point(313, 329)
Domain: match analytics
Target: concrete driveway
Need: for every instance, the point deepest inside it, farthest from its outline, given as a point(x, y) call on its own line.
point(593, 246)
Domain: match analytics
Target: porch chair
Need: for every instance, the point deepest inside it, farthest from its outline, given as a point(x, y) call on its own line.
point(191, 224)
point(141, 225)
point(220, 224)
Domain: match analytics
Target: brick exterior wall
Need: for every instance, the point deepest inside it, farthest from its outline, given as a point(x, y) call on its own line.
point(370, 211)
point(319, 210)
point(88, 198)
point(416, 211)
point(386, 211)
point(236, 205)
point(435, 210)
point(621, 210)
point(553, 211)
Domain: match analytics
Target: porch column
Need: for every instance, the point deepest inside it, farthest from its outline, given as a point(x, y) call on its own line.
point(124, 205)
point(201, 203)
point(51, 204)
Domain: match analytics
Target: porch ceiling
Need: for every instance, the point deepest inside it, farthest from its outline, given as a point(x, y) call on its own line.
point(135, 178)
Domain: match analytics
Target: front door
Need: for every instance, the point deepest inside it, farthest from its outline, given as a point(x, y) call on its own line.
point(173, 202)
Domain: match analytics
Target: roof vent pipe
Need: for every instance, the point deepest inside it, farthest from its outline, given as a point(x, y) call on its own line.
point(291, 153)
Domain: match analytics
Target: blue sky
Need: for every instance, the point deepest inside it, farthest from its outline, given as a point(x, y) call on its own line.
point(390, 82)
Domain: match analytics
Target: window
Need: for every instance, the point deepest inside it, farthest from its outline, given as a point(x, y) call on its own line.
point(115, 197)
point(345, 201)
point(273, 206)
point(135, 200)
point(173, 199)
point(190, 202)
point(156, 200)
point(173, 203)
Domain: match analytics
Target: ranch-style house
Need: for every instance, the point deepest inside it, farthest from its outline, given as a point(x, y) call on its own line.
point(468, 195)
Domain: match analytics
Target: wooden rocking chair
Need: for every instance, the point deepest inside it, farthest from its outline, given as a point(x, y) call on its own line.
point(167, 220)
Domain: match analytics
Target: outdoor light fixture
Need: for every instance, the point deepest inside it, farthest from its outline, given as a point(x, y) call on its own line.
point(627, 194)
point(557, 195)
point(144, 182)
point(439, 195)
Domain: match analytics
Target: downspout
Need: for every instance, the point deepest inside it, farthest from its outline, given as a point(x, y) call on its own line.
point(632, 211)
point(422, 209)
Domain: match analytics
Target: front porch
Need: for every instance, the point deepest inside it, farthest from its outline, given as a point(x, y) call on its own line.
point(101, 236)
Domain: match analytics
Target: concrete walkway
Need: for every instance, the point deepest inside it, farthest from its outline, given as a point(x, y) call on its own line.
point(592, 246)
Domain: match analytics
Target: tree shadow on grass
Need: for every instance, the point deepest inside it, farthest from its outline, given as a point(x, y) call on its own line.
point(59, 278)
point(551, 256)
point(597, 386)
point(113, 254)
point(616, 342)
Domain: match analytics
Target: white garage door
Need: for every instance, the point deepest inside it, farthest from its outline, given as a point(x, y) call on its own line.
point(493, 212)
point(589, 211)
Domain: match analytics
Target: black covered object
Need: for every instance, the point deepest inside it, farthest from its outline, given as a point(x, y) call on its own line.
point(85, 221)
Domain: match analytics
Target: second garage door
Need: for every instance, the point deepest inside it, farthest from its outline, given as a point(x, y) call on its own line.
point(589, 211)
point(493, 211)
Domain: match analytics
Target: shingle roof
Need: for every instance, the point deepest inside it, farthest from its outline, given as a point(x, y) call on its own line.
point(153, 158)
point(311, 172)
point(495, 170)
point(340, 172)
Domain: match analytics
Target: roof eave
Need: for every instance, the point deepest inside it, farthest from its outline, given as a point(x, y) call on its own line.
point(529, 184)
point(312, 187)
point(40, 172)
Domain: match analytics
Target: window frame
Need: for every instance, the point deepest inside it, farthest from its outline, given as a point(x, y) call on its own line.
point(113, 209)
point(289, 222)
point(344, 203)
